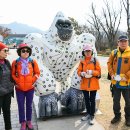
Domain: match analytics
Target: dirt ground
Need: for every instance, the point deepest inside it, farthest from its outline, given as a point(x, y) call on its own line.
point(106, 106)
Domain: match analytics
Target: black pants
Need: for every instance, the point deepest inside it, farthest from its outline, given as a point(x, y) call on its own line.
point(90, 101)
point(5, 102)
point(116, 102)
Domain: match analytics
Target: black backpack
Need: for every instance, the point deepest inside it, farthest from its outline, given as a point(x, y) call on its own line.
point(108, 75)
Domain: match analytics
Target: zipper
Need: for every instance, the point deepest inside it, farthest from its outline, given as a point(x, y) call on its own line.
point(89, 83)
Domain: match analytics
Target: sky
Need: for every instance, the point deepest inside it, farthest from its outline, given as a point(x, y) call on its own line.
point(40, 13)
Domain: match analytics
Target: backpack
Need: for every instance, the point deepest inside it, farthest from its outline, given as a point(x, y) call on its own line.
point(108, 75)
point(16, 63)
point(94, 62)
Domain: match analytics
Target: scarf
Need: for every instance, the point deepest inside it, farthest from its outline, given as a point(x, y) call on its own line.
point(25, 69)
point(2, 61)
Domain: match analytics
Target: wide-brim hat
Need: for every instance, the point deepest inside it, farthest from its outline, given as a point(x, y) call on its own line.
point(21, 46)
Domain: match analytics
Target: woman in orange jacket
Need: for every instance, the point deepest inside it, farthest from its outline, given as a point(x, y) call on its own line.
point(89, 70)
point(25, 72)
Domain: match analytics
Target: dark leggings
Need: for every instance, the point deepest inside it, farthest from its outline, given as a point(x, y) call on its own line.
point(90, 101)
point(5, 102)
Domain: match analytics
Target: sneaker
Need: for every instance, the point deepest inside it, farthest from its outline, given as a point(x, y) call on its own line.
point(29, 125)
point(115, 120)
point(92, 120)
point(85, 118)
point(23, 126)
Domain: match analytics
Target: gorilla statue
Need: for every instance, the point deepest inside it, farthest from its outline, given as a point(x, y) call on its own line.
point(58, 52)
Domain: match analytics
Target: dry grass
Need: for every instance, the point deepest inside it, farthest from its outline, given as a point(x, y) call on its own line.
point(106, 106)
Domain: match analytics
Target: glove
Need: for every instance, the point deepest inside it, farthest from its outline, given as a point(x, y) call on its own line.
point(117, 78)
point(123, 79)
point(88, 76)
point(112, 77)
point(83, 74)
point(89, 72)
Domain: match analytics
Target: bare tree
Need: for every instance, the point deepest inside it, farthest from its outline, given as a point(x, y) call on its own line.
point(4, 31)
point(96, 25)
point(108, 23)
point(77, 27)
point(126, 4)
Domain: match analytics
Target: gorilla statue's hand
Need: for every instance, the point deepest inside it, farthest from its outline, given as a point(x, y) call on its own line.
point(73, 100)
point(48, 105)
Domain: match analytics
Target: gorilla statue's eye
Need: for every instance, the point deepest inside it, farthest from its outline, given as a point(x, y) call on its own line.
point(61, 24)
point(68, 22)
point(66, 25)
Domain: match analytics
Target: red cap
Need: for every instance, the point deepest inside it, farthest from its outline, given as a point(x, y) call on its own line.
point(2, 46)
point(21, 46)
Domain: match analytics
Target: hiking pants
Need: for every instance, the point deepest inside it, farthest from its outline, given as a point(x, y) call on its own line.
point(116, 101)
point(21, 97)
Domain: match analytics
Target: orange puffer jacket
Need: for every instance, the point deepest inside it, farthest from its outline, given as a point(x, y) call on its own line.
point(89, 84)
point(120, 65)
point(25, 82)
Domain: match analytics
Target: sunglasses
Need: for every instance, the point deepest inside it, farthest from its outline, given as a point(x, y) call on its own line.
point(6, 51)
point(23, 51)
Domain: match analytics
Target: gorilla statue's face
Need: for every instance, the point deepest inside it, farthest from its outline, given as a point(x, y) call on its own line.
point(64, 29)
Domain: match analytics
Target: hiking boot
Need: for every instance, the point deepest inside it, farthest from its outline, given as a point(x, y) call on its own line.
point(115, 120)
point(29, 125)
point(23, 126)
point(85, 118)
point(92, 120)
point(127, 122)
